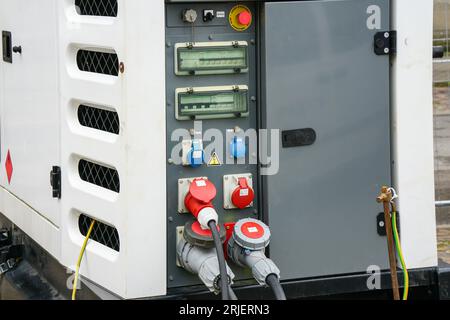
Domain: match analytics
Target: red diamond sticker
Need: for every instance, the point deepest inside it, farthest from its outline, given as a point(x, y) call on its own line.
point(9, 167)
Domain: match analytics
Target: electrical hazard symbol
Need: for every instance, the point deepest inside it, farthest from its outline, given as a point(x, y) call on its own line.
point(214, 161)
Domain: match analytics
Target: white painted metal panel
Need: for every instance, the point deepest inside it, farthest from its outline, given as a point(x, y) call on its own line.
point(138, 152)
point(413, 130)
point(30, 111)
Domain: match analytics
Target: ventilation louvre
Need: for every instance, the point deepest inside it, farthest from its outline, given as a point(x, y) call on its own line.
point(105, 8)
point(101, 232)
point(99, 175)
point(98, 62)
point(100, 119)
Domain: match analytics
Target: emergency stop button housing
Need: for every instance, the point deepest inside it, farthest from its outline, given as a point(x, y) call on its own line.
point(240, 17)
point(238, 191)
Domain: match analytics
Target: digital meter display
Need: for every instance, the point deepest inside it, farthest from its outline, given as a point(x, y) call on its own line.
point(211, 58)
point(216, 103)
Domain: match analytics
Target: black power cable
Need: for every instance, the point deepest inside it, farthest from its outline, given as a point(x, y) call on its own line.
point(221, 257)
point(232, 294)
point(273, 281)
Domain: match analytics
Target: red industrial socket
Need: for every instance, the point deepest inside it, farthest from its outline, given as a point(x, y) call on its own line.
point(199, 201)
point(243, 195)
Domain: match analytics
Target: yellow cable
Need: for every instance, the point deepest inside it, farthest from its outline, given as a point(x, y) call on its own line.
point(80, 257)
point(400, 255)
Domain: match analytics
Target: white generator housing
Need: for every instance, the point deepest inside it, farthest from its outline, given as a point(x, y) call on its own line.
point(42, 89)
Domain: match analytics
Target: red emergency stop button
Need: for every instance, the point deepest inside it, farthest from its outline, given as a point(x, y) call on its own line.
point(245, 18)
point(240, 17)
point(243, 195)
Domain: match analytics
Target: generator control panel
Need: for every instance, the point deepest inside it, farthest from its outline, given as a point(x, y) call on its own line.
point(211, 92)
point(298, 71)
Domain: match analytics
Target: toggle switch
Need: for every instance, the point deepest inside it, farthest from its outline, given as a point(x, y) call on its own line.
point(208, 15)
point(237, 148)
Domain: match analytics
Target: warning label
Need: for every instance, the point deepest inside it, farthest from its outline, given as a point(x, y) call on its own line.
point(214, 161)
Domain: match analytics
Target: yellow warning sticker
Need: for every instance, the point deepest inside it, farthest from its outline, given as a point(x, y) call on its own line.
point(214, 161)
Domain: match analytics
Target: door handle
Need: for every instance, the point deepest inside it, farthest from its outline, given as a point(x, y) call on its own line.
point(7, 46)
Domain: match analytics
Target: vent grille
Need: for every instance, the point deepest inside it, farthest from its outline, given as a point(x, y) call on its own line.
point(98, 62)
point(99, 175)
point(105, 8)
point(99, 119)
point(101, 232)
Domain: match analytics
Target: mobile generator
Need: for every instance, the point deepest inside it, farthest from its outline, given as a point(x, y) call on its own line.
point(197, 148)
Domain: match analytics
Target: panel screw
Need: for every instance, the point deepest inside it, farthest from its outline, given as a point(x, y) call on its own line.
point(253, 98)
point(386, 50)
point(252, 41)
point(386, 35)
point(168, 44)
point(122, 67)
point(170, 219)
point(170, 278)
point(170, 161)
point(381, 224)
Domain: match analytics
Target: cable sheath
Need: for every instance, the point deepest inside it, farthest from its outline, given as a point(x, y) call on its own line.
point(221, 257)
point(273, 281)
point(400, 255)
point(80, 258)
point(232, 294)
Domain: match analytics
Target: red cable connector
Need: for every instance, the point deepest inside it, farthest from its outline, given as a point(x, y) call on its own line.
point(199, 201)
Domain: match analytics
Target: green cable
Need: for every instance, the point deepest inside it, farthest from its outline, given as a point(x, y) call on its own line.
point(400, 255)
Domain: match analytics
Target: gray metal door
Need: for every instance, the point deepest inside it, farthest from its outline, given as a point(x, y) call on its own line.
point(320, 72)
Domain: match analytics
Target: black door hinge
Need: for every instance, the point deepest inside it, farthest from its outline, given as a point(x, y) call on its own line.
point(381, 224)
point(55, 181)
point(385, 43)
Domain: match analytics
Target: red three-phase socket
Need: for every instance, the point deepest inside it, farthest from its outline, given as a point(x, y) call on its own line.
point(200, 196)
point(243, 195)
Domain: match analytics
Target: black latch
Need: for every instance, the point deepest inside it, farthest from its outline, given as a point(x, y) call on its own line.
point(385, 43)
point(298, 137)
point(7, 46)
point(381, 224)
point(438, 52)
point(55, 181)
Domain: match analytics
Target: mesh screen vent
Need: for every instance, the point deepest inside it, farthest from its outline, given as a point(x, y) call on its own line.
point(99, 175)
point(99, 119)
point(105, 8)
point(101, 233)
point(98, 62)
